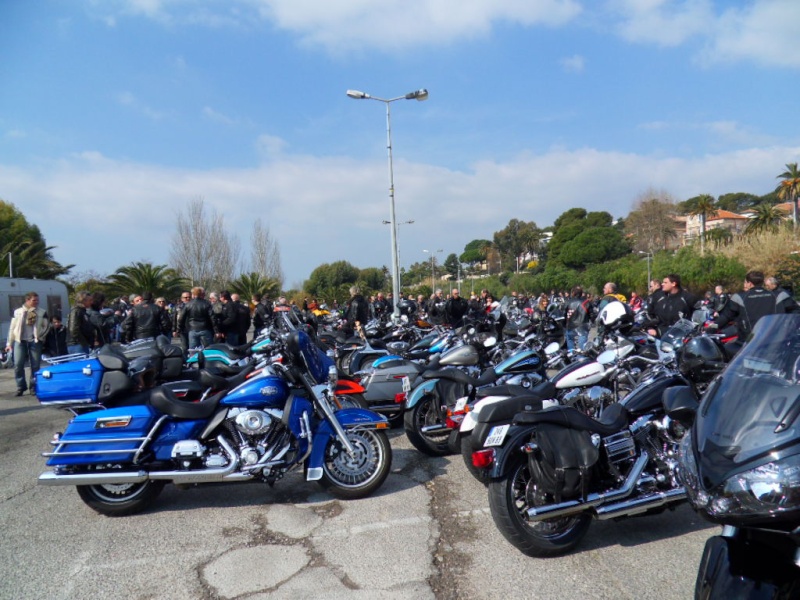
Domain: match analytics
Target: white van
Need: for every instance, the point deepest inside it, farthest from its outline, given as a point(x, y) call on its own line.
point(53, 297)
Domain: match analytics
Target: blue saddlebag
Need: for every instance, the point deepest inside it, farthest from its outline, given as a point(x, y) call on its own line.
point(76, 382)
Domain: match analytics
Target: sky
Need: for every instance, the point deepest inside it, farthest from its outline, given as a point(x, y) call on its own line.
point(116, 114)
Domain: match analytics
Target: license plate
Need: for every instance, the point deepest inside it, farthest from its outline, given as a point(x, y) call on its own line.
point(406, 384)
point(496, 435)
point(460, 404)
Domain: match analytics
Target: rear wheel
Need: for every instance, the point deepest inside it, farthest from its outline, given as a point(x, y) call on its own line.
point(424, 414)
point(358, 475)
point(509, 499)
point(120, 499)
point(481, 475)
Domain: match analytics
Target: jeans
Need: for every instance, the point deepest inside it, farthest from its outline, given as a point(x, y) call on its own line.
point(232, 338)
point(199, 339)
point(26, 352)
point(77, 349)
point(577, 338)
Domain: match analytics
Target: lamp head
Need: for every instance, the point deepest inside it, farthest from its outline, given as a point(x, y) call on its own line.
point(419, 95)
point(357, 95)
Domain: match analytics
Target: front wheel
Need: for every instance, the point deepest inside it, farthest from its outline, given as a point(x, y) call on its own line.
point(351, 401)
point(120, 499)
point(424, 414)
point(358, 475)
point(509, 499)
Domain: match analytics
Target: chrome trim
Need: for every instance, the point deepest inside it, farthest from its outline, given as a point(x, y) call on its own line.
point(571, 507)
point(314, 474)
point(639, 505)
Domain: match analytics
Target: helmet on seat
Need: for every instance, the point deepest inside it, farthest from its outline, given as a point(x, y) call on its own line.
point(616, 315)
point(701, 359)
point(406, 307)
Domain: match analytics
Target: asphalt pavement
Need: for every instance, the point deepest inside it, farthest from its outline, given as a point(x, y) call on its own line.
point(427, 533)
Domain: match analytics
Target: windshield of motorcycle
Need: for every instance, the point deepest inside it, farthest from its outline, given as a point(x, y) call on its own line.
point(753, 409)
point(676, 334)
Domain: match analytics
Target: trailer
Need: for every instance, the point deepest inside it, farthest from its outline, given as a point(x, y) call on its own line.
point(53, 297)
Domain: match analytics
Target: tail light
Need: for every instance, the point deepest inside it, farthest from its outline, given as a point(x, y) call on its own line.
point(483, 459)
point(400, 398)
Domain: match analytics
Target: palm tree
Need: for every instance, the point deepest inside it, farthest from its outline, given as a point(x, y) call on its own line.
point(789, 188)
point(247, 285)
point(704, 208)
point(141, 277)
point(766, 218)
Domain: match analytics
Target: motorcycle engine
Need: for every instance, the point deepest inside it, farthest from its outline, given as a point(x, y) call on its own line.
point(256, 432)
point(589, 400)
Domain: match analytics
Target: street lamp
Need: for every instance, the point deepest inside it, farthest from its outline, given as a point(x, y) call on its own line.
point(433, 272)
point(420, 95)
point(649, 257)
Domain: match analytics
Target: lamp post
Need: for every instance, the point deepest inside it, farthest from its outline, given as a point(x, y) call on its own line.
point(421, 94)
point(397, 245)
point(649, 257)
point(433, 272)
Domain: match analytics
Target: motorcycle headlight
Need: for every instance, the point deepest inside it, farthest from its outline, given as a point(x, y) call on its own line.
point(763, 492)
point(667, 347)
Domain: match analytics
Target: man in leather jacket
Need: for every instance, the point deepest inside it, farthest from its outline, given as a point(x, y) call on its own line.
point(674, 302)
point(262, 313)
point(577, 319)
point(746, 308)
point(455, 308)
point(196, 320)
point(357, 310)
point(227, 324)
point(146, 320)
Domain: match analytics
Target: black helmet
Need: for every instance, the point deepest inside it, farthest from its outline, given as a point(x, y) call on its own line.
point(406, 307)
point(701, 359)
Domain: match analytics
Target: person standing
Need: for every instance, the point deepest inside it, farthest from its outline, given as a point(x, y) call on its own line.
point(357, 311)
point(674, 303)
point(262, 313)
point(227, 327)
point(455, 308)
point(747, 307)
point(146, 320)
point(177, 332)
point(196, 320)
point(55, 343)
point(243, 318)
point(26, 334)
point(577, 319)
point(80, 331)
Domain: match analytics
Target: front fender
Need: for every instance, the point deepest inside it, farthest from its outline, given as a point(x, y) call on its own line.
point(419, 391)
point(348, 418)
point(517, 436)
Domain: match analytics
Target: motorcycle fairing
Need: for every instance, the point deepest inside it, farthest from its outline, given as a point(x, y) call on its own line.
point(418, 392)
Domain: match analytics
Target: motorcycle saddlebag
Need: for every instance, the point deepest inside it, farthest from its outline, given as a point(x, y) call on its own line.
point(562, 464)
point(76, 382)
point(103, 436)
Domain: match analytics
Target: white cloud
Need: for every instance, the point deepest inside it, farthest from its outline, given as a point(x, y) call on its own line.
point(214, 115)
point(728, 132)
point(662, 22)
point(573, 64)
point(764, 32)
point(325, 209)
point(128, 100)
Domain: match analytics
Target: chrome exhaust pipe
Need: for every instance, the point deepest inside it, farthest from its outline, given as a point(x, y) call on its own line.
point(100, 478)
point(438, 428)
point(121, 477)
point(572, 507)
point(627, 508)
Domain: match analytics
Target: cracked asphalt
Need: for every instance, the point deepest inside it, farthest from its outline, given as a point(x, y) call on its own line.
point(427, 533)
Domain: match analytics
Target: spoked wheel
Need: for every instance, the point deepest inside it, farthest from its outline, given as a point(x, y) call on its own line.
point(509, 499)
point(120, 499)
point(358, 475)
point(424, 414)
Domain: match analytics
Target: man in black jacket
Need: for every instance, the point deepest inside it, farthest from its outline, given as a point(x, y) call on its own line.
point(262, 313)
point(673, 303)
point(196, 320)
point(454, 309)
point(243, 318)
point(146, 320)
point(746, 308)
point(227, 325)
point(357, 310)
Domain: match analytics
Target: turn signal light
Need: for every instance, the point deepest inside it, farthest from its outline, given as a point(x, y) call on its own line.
point(483, 459)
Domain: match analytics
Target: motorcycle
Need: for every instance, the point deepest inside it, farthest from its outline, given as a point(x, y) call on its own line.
point(740, 462)
point(119, 459)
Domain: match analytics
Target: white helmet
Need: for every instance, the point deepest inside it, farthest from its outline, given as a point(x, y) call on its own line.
point(615, 314)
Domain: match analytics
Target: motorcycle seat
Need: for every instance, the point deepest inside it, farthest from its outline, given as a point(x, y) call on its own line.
point(489, 376)
point(216, 381)
point(501, 390)
point(164, 400)
point(614, 419)
point(506, 409)
point(232, 351)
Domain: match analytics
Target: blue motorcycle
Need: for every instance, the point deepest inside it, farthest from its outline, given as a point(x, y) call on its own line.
point(121, 458)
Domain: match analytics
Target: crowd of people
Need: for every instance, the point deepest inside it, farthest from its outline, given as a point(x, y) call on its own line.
point(194, 320)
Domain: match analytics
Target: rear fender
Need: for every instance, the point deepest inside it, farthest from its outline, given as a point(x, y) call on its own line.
point(419, 391)
point(349, 418)
point(515, 438)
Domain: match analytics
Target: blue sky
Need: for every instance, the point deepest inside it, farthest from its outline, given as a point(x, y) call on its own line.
point(114, 114)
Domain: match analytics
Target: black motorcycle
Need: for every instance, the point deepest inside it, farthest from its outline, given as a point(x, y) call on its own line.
point(740, 464)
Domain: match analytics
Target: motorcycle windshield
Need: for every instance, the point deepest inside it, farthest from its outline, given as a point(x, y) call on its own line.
point(752, 412)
